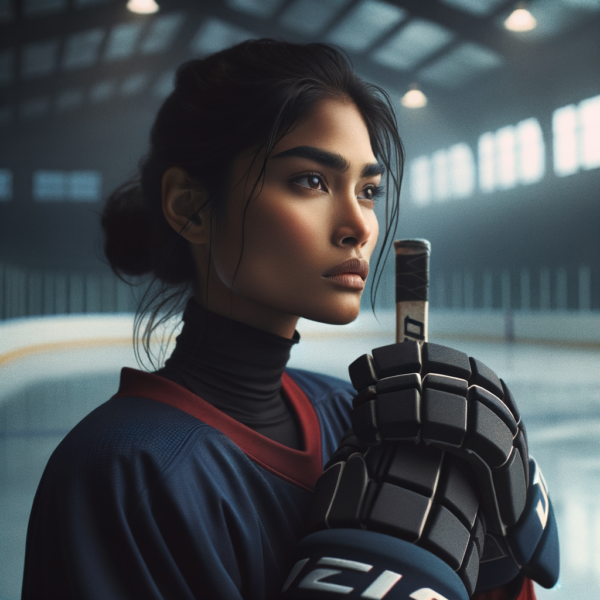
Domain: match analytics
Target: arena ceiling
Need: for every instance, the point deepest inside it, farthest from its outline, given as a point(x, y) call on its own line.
point(58, 56)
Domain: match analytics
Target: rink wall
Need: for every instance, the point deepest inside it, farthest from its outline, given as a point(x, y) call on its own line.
point(554, 327)
point(23, 336)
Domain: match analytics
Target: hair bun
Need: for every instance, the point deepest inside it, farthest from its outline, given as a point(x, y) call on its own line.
point(127, 227)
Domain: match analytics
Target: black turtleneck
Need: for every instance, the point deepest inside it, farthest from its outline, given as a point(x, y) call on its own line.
point(237, 369)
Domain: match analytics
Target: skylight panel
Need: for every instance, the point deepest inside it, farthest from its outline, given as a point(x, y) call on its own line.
point(481, 8)
point(69, 99)
point(7, 62)
point(81, 49)
point(134, 84)
point(460, 64)
point(259, 8)
point(215, 35)
point(122, 40)
point(311, 17)
point(39, 59)
point(34, 107)
point(161, 33)
point(35, 8)
point(417, 40)
point(365, 24)
point(102, 91)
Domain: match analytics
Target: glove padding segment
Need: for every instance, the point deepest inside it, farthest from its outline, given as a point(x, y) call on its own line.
point(417, 493)
point(442, 397)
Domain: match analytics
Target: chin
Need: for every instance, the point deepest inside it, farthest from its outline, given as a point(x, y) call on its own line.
point(341, 314)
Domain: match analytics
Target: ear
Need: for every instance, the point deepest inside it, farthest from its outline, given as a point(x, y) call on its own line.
point(181, 205)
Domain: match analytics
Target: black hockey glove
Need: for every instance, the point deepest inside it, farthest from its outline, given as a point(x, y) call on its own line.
point(445, 399)
point(398, 517)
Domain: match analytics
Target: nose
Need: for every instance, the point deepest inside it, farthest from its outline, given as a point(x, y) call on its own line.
point(353, 226)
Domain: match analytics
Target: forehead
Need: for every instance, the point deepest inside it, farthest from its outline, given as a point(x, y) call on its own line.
point(333, 125)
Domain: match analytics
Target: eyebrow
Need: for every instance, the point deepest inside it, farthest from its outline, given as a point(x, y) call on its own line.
point(330, 159)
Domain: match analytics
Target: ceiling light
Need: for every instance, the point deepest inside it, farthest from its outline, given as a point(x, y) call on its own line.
point(143, 7)
point(520, 20)
point(414, 98)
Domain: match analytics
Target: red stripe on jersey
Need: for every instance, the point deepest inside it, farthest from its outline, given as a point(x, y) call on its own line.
point(300, 467)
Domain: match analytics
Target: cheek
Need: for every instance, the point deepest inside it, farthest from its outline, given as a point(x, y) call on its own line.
point(287, 236)
point(282, 243)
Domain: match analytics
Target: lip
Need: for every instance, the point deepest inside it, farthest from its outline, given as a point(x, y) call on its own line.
point(352, 266)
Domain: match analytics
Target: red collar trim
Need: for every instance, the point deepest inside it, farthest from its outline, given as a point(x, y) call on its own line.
point(300, 467)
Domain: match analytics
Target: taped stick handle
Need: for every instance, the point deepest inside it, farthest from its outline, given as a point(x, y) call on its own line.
point(412, 289)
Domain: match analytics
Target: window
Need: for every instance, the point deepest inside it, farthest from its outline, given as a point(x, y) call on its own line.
point(441, 189)
point(419, 180)
point(589, 123)
point(530, 151)
point(448, 173)
point(461, 170)
point(5, 185)
point(70, 186)
point(512, 155)
point(564, 126)
point(576, 131)
point(486, 162)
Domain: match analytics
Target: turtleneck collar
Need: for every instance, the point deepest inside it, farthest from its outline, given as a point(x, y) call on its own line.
point(233, 366)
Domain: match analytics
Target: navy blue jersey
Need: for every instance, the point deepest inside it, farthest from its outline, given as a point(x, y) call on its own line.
point(157, 494)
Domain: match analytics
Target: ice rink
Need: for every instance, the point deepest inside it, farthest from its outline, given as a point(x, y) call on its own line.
point(45, 392)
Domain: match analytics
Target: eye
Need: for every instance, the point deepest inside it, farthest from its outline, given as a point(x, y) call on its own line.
point(312, 181)
point(371, 192)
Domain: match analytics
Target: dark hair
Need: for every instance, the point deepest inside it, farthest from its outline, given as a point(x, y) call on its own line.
point(247, 96)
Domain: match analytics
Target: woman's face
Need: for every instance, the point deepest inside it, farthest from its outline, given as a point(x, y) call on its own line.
point(313, 213)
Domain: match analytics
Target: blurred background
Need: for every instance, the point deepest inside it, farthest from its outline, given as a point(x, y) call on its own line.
point(498, 105)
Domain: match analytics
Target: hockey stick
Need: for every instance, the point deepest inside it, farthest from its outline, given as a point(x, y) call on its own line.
point(412, 289)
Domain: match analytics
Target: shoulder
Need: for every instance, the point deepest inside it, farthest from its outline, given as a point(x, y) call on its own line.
point(130, 442)
point(322, 388)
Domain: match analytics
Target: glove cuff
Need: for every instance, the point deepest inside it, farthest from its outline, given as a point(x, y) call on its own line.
point(530, 547)
point(374, 564)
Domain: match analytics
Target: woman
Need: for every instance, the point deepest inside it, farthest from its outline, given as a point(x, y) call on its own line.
point(255, 207)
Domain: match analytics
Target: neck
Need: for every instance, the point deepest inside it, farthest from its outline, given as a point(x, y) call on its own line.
point(222, 300)
point(237, 368)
